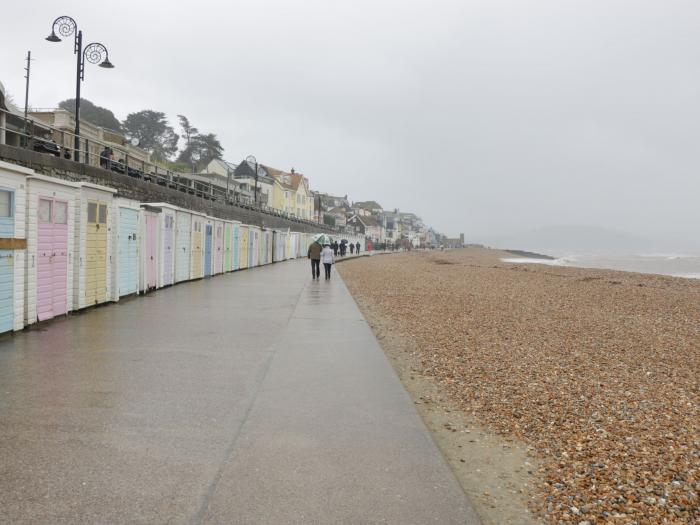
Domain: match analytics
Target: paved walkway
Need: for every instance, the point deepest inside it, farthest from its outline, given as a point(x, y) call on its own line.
point(255, 397)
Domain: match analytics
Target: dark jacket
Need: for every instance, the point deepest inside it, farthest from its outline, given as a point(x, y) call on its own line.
point(315, 251)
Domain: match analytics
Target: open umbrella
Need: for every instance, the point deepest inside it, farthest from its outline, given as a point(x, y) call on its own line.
point(322, 238)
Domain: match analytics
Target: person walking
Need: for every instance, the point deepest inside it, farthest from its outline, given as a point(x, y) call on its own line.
point(314, 254)
point(335, 248)
point(357, 248)
point(328, 260)
point(352, 248)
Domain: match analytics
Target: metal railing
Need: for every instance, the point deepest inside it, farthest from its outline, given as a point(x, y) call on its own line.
point(60, 143)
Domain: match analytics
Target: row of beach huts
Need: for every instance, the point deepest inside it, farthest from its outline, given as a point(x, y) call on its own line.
point(67, 245)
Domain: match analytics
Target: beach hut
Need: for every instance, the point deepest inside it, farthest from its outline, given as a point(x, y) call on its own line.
point(92, 265)
point(280, 246)
point(167, 243)
point(277, 246)
point(265, 247)
point(218, 247)
point(296, 244)
point(183, 245)
point(228, 246)
point(151, 243)
point(243, 247)
point(126, 242)
point(50, 245)
point(199, 221)
point(288, 246)
point(253, 240)
point(236, 247)
point(208, 245)
point(13, 245)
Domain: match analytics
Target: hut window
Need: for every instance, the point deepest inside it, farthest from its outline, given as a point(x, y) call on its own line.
point(103, 214)
point(60, 213)
point(45, 210)
point(5, 203)
point(92, 212)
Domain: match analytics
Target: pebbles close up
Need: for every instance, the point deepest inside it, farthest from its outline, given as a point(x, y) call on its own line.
point(598, 371)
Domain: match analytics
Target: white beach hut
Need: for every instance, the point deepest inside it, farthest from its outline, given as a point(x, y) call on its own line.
point(183, 244)
point(50, 247)
point(150, 263)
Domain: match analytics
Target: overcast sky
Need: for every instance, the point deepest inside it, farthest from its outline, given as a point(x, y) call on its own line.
point(485, 117)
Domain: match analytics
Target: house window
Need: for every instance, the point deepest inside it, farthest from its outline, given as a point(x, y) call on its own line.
point(5, 203)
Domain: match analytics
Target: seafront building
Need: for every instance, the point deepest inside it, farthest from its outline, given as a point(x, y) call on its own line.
point(273, 189)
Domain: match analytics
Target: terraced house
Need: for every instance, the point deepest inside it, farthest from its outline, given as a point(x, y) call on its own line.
point(291, 193)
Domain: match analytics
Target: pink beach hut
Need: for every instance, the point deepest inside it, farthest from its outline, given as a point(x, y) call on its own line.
point(50, 246)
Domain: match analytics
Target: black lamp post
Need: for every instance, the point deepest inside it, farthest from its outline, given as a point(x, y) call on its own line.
point(253, 164)
point(93, 53)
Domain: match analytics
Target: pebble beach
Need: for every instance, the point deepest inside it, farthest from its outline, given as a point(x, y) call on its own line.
point(597, 372)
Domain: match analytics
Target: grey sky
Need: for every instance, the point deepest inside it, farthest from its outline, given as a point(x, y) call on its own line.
point(484, 117)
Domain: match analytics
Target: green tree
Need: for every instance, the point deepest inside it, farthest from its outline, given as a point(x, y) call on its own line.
point(200, 148)
point(188, 133)
point(206, 148)
point(154, 133)
point(89, 112)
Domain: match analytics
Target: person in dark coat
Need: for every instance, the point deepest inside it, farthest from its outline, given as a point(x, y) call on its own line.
point(352, 248)
point(357, 248)
point(105, 157)
point(314, 254)
point(335, 248)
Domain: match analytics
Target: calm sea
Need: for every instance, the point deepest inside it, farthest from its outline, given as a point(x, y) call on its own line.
point(676, 265)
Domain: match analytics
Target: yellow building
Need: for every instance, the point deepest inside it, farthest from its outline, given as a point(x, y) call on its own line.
point(291, 193)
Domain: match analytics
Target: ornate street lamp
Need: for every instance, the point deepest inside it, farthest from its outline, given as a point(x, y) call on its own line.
point(253, 164)
point(94, 53)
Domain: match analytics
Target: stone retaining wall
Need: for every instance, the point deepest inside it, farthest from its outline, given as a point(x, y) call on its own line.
point(143, 191)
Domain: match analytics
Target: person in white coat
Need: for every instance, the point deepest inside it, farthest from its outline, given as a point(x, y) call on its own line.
point(327, 259)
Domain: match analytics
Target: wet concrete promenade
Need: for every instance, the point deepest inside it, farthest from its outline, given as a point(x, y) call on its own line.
point(258, 397)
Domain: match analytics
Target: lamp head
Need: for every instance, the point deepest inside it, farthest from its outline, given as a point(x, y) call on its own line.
point(106, 64)
point(52, 37)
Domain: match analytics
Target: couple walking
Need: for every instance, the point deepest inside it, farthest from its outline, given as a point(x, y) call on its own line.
point(319, 254)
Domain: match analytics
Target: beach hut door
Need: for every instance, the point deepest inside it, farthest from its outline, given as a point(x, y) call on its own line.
point(207, 250)
point(168, 249)
point(96, 253)
point(128, 251)
point(235, 248)
point(151, 254)
point(52, 258)
point(219, 255)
